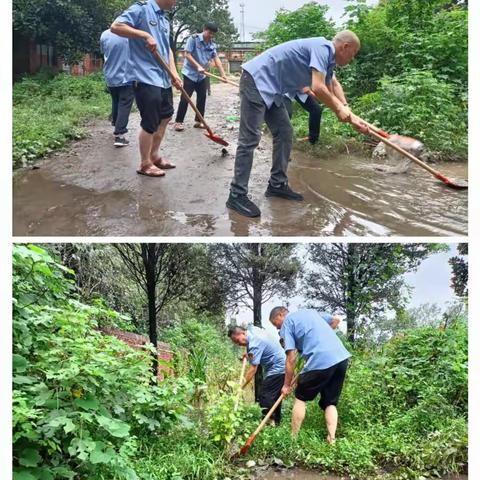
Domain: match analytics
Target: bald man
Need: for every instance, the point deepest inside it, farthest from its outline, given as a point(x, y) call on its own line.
point(282, 71)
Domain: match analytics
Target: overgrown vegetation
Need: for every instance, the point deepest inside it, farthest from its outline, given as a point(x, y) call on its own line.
point(410, 76)
point(85, 404)
point(47, 113)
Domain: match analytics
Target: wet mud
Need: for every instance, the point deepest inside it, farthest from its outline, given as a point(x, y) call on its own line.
point(91, 189)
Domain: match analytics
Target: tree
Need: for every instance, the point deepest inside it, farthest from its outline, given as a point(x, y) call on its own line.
point(163, 271)
point(459, 266)
point(189, 17)
point(362, 281)
point(307, 21)
point(72, 27)
point(253, 273)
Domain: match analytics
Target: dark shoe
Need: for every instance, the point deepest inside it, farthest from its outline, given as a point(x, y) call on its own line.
point(243, 205)
point(121, 142)
point(283, 191)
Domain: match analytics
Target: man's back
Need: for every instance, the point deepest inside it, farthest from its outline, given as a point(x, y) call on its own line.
point(309, 333)
point(115, 50)
point(265, 351)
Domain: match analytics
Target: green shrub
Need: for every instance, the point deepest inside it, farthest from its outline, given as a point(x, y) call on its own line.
point(82, 401)
point(49, 113)
point(417, 104)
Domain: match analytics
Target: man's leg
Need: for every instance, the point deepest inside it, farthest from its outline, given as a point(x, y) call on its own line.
point(315, 118)
point(282, 131)
point(331, 419)
point(150, 103)
point(252, 112)
point(189, 87)
point(157, 138)
point(298, 415)
point(114, 94)
point(201, 90)
point(330, 395)
point(125, 102)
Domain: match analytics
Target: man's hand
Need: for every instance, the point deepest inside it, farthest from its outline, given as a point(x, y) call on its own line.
point(177, 82)
point(358, 125)
point(344, 114)
point(224, 78)
point(286, 389)
point(150, 43)
point(200, 69)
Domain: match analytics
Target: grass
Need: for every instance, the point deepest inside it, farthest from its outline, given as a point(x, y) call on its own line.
point(48, 113)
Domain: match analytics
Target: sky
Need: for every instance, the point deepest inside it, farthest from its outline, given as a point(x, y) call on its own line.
point(259, 13)
point(430, 284)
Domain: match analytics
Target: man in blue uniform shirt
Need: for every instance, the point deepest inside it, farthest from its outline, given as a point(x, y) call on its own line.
point(284, 70)
point(200, 51)
point(265, 351)
point(116, 52)
point(147, 28)
point(326, 360)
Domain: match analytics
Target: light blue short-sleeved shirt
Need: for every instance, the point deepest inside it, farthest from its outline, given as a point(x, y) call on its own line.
point(265, 351)
point(308, 332)
point(286, 68)
point(143, 67)
point(202, 52)
point(116, 54)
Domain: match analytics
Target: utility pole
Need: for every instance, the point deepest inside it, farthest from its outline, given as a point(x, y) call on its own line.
point(242, 27)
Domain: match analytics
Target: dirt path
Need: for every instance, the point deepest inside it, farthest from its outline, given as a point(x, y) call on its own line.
point(92, 189)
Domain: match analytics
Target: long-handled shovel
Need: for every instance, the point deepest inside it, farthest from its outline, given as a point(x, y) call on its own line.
point(209, 133)
point(221, 79)
point(250, 440)
point(240, 381)
point(383, 136)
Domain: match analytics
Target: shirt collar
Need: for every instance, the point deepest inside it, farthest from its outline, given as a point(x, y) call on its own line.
point(156, 7)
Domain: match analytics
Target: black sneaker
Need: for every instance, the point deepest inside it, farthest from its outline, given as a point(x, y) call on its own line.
point(121, 142)
point(243, 205)
point(284, 191)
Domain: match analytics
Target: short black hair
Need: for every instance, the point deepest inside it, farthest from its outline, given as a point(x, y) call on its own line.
point(213, 27)
point(234, 329)
point(275, 311)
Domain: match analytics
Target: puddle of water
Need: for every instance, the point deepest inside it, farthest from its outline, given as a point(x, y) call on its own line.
point(299, 474)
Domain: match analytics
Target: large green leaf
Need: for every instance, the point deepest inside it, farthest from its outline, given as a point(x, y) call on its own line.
point(117, 428)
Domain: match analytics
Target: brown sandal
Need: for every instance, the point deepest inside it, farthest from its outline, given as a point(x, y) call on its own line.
point(164, 164)
point(149, 173)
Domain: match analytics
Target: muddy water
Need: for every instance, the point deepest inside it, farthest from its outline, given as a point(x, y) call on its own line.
point(299, 474)
point(91, 189)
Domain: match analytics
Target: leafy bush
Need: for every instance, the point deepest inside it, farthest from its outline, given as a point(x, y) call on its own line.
point(419, 105)
point(82, 401)
point(49, 113)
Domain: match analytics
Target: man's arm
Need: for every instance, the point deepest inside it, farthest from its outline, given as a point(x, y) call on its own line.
point(219, 65)
point(192, 60)
point(338, 91)
point(177, 82)
point(125, 30)
point(289, 369)
point(327, 97)
point(249, 375)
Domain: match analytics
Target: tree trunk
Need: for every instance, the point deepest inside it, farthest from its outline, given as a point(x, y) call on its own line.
point(350, 294)
point(150, 265)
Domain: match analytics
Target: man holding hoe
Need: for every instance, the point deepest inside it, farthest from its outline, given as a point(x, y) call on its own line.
point(200, 51)
point(147, 27)
point(283, 70)
point(326, 360)
point(264, 351)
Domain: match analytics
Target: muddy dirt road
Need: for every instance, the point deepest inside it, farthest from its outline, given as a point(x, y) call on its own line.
point(91, 189)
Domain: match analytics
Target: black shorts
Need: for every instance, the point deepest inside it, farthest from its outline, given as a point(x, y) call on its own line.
point(154, 103)
point(270, 390)
point(328, 383)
